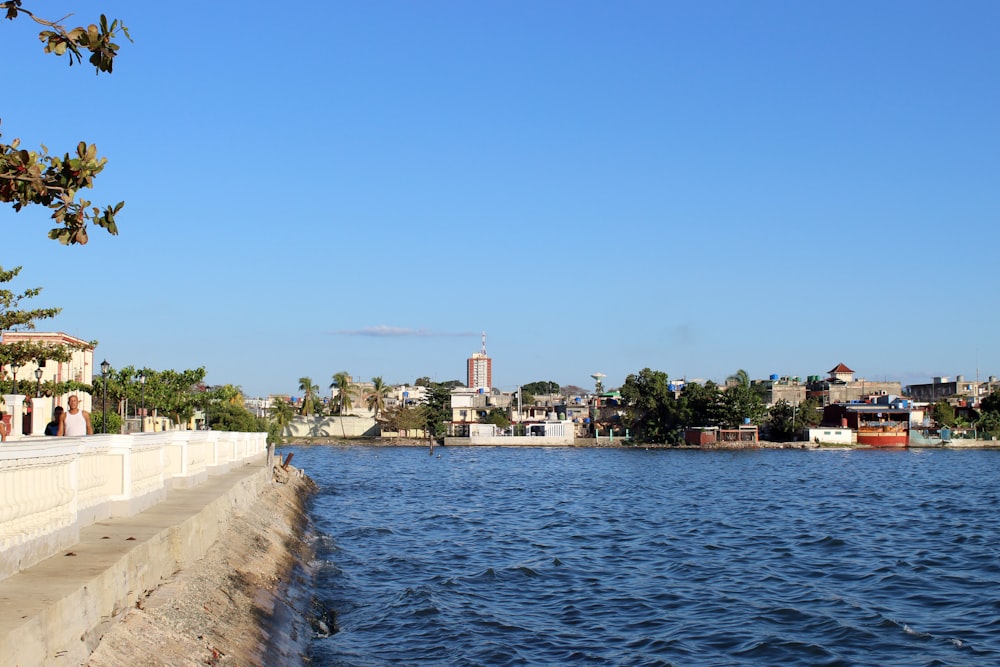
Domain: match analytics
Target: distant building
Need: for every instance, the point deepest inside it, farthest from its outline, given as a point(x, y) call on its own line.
point(406, 396)
point(841, 373)
point(842, 387)
point(776, 389)
point(957, 390)
point(480, 369)
point(80, 367)
point(260, 407)
point(469, 405)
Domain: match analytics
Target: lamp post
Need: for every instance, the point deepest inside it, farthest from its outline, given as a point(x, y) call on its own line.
point(38, 382)
point(13, 367)
point(105, 367)
point(142, 400)
point(206, 407)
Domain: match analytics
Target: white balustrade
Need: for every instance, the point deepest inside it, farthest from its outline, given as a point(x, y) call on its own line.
point(50, 488)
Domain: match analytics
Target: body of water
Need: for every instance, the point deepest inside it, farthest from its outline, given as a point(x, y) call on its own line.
point(510, 556)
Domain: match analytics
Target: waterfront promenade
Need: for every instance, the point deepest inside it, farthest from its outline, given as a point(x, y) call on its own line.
point(88, 526)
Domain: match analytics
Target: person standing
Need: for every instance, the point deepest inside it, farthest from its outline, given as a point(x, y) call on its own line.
point(75, 422)
point(52, 428)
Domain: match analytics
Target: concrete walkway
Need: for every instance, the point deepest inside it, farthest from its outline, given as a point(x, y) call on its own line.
point(55, 612)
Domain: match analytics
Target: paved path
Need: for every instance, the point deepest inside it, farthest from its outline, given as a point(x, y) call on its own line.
point(55, 612)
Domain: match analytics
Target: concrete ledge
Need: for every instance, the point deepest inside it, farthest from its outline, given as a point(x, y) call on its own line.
point(55, 612)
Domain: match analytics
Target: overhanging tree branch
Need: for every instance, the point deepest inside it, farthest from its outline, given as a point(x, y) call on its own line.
point(29, 177)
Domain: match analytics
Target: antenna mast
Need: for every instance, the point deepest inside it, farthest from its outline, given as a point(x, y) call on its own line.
point(484, 343)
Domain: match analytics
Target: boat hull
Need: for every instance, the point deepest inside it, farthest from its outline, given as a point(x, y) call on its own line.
point(884, 438)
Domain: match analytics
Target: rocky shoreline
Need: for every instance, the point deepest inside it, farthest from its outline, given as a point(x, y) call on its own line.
point(242, 604)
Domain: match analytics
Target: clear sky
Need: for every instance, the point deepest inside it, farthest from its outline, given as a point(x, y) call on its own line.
point(695, 186)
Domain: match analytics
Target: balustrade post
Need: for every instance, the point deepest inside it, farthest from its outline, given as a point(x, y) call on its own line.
point(15, 408)
point(41, 414)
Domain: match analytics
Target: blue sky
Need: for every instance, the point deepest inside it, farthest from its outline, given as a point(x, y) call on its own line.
point(695, 187)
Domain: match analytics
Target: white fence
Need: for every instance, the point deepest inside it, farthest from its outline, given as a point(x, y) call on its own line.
point(50, 488)
point(544, 434)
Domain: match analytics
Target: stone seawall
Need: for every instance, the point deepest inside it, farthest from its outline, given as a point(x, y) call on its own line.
point(241, 604)
point(194, 579)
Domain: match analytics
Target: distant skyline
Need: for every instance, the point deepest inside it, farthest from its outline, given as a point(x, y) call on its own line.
point(694, 187)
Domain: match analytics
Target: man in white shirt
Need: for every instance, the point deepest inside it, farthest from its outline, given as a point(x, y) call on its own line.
point(75, 422)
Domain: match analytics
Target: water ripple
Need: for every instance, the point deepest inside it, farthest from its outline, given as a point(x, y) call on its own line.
point(619, 557)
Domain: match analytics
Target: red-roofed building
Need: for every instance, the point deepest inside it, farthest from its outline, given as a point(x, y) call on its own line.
point(842, 387)
point(842, 373)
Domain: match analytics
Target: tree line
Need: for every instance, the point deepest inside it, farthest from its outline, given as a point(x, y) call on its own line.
point(431, 415)
point(656, 413)
point(985, 420)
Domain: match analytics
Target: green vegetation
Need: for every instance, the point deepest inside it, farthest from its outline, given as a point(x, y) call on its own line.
point(176, 394)
point(652, 409)
point(114, 422)
point(740, 378)
point(375, 397)
point(989, 415)
point(309, 391)
point(656, 414)
point(281, 416)
point(405, 418)
point(741, 404)
point(346, 392)
point(36, 178)
point(497, 417)
point(14, 317)
point(943, 414)
point(786, 421)
point(438, 408)
point(227, 416)
point(540, 387)
point(698, 404)
point(783, 421)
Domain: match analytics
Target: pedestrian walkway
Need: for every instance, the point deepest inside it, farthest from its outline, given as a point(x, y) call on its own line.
point(55, 612)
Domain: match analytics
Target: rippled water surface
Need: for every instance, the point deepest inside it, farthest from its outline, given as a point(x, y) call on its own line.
point(504, 556)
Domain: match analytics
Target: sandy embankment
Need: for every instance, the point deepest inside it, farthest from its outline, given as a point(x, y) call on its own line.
point(240, 604)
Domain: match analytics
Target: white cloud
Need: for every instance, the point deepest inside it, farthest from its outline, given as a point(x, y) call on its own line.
point(383, 330)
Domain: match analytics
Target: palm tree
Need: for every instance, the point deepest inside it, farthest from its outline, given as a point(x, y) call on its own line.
point(308, 390)
point(740, 378)
point(345, 391)
point(375, 398)
point(281, 413)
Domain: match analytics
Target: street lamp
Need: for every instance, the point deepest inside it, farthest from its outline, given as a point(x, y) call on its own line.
point(142, 400)
point(38, 382)
point(105, 367)
point(13, 367)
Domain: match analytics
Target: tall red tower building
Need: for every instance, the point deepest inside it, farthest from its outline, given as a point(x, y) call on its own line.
point(480, 369)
